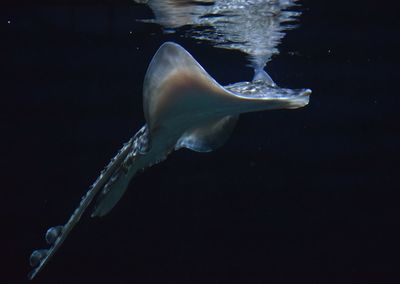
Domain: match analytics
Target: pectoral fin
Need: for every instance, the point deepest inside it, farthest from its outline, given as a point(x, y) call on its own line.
point(209, 136)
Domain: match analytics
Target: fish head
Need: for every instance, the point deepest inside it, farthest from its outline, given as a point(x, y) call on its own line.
point(260, 95)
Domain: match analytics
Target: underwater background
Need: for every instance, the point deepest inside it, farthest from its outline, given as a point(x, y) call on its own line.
point(295, 196)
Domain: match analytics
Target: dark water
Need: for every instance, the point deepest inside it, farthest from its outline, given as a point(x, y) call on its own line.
point(300, 196)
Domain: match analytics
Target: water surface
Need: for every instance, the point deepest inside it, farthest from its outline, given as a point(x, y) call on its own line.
point(312, 197)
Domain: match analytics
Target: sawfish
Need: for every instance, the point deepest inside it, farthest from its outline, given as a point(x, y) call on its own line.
point(184, 107)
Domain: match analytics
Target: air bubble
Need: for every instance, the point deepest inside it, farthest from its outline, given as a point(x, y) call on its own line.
point(37, 256)
point(52, 234)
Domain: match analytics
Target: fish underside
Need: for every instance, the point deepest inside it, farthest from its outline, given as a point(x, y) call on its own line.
point(184, 107)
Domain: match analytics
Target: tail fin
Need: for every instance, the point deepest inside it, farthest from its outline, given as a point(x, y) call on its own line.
point(112, 192)
point(55, 236)
point(118, 183)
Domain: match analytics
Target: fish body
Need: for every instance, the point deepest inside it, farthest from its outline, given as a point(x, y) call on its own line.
point(184, 107)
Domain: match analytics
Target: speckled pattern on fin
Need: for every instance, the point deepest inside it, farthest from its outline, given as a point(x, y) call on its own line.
point(115, 188)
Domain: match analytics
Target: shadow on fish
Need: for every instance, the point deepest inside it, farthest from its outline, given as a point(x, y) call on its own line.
point(184, 107)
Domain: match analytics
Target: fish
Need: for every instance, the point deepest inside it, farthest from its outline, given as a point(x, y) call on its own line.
point(184, 107)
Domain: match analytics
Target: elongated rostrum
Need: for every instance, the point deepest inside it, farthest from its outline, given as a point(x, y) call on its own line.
point(184, 107)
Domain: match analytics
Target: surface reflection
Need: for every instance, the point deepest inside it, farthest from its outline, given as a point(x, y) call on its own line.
point(255, 27)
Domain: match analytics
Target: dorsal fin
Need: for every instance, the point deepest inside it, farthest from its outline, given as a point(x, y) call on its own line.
point(209, 136)
point(261, 75)
point(172, 68)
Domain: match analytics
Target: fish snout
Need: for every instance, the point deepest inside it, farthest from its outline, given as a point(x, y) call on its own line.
point(299, 98)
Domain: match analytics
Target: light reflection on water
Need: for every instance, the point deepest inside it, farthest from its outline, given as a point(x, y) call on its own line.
point(254, 27)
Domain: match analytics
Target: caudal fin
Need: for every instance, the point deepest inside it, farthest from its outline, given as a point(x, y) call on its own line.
point(55, 236)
